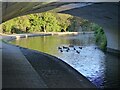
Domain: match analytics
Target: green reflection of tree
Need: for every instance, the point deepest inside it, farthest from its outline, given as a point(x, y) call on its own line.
point(47, 44)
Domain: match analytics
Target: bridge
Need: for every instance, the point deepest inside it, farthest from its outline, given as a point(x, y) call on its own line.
point(104, 14)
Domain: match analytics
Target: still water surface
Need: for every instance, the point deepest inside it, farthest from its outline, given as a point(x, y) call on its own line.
point(99, 67)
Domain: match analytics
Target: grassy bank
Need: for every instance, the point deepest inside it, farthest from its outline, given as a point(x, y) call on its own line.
point(100, 38)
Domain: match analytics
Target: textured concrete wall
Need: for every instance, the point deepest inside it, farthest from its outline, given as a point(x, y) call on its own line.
point(104, 14)
point(14, 9)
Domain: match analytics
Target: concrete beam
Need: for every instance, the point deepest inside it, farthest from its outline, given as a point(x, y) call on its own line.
point(14, 9)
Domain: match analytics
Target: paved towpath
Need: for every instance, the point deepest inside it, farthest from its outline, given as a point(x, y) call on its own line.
point(17, 72)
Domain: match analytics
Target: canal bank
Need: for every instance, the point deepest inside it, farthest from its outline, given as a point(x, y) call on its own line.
point(44, 70)
point(6, 37)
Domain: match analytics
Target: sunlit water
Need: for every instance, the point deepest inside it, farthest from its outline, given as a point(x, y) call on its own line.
point(89, 61)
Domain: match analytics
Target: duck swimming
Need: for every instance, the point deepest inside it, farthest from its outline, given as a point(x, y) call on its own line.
point(77, 52)
point(59, 48)
point(80, 47)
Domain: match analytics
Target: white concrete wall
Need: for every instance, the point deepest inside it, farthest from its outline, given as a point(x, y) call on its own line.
point(112, 38)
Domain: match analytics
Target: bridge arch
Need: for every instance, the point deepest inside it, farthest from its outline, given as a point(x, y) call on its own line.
point(104, 14)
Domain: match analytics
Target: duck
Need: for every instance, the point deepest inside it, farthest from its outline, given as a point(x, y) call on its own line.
point(59, 48)
point(67, 50)
point(74, 49)
point(65, 47)
point(77, 52)
point(80, 47)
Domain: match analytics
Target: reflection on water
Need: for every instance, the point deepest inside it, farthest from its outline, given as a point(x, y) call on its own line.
point(88, 60)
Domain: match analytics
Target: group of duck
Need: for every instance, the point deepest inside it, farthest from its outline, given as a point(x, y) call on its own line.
point(67, 49)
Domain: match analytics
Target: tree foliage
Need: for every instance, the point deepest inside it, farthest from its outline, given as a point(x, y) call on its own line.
point(100, 37)
point(46, 22)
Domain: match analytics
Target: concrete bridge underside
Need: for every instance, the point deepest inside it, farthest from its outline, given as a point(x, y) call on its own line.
point(104, 14)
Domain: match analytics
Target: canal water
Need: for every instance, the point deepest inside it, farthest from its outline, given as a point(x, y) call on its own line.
point(80, 52)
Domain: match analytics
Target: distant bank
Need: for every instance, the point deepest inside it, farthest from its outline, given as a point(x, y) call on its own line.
point(7, 37)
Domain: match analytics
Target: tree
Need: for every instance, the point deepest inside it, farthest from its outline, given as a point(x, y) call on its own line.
point(49, 22)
